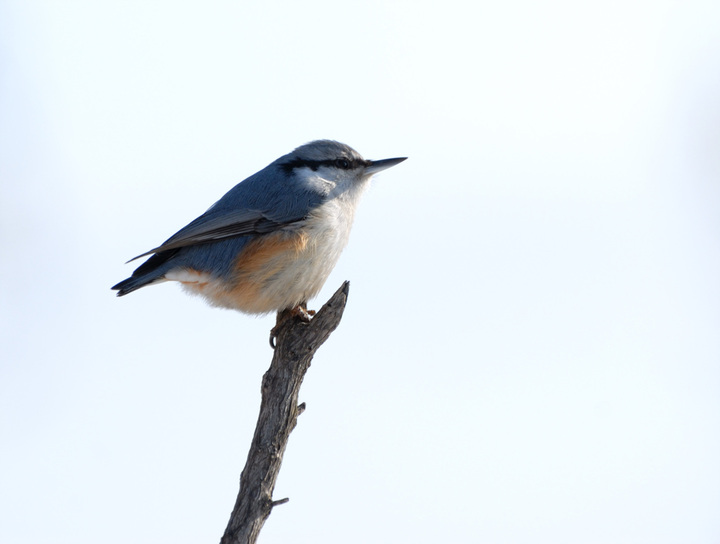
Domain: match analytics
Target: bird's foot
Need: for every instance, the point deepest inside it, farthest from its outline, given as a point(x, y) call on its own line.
point(303, 313)
point(299, 311)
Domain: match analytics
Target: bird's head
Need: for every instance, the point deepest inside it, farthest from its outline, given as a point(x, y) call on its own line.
point(332, 167)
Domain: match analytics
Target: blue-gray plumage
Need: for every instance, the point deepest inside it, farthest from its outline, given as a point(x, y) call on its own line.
point(270, 243)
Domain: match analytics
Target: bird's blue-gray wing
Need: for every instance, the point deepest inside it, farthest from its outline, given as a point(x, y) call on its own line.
point(211, 227)
point(263, 203)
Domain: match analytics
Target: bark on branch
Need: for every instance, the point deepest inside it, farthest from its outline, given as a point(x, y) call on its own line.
point(296, 344)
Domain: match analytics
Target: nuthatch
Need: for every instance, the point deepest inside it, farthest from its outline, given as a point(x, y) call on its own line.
point(271, 242)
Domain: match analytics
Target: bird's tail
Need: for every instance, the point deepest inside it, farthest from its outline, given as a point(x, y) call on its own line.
point(134, 283)
point(151, 271)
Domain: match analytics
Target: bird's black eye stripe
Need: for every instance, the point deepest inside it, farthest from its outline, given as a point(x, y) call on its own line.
point(343, 163)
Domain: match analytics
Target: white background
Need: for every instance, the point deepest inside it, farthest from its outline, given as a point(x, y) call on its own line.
point(531, 348)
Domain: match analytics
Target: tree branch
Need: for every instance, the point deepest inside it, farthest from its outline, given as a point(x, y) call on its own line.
point(297, 342)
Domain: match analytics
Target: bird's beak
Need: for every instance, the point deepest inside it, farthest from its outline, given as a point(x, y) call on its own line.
point(378, 166)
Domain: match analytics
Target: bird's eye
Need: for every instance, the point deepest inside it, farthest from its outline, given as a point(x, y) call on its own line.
point(343, 163)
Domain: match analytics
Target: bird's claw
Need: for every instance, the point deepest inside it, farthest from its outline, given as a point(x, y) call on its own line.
point(273, 336)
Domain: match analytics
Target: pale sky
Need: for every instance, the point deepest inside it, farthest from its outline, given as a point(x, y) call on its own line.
point(531, 348)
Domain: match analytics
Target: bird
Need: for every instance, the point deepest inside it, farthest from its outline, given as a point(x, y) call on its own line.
point(270, 243)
